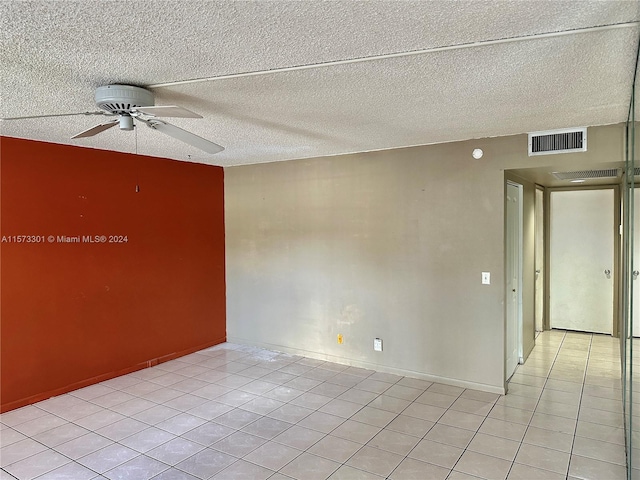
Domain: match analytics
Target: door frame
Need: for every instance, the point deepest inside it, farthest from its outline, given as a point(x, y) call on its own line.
point(616, 249)
point(543, 253)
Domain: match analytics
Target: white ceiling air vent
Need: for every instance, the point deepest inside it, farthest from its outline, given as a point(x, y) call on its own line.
point(558, 141)
point(586, 174)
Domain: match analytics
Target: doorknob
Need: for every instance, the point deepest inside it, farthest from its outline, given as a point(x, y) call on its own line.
point(635, 274)
point(607, 273)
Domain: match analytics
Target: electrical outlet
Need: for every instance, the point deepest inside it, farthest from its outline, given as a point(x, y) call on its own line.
point(377, 344)
point(340, 339)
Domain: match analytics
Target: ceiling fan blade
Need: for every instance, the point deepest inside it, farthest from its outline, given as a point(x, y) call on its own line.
point(168, 111)
point(184, 136)
point(56, 115)
point(97, 129)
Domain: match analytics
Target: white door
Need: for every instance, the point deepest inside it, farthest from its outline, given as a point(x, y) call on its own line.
point(539, 260)
point(636, 263)
point(513, 275)
point(581, 260)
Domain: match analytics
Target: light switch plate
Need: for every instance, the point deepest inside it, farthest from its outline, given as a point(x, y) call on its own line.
point(486, 278)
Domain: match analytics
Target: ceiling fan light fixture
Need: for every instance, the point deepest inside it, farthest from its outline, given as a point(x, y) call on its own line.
point(126, 122)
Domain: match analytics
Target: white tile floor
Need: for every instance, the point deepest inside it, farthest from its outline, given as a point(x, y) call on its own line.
point(232, 412)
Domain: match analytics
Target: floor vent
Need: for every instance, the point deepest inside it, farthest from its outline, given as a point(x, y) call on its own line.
point(586, 174)
point(558, 141)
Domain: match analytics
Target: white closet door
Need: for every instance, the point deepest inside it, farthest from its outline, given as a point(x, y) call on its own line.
point(636, 262)
point(513, 276)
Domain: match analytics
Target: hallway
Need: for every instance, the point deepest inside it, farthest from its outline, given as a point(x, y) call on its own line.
point(569, 393)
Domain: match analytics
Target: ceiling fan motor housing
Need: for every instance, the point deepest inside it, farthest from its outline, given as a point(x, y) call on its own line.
point(121, 99)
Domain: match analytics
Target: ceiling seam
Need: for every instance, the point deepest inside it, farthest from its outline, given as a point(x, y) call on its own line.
point(482, 43)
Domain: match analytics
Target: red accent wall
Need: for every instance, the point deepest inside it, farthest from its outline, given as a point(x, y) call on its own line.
point(72, 314)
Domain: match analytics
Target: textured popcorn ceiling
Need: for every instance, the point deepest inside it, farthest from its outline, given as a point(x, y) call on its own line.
point(54, 54)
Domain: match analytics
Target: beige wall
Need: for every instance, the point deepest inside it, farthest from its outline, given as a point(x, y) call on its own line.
point(387, 244)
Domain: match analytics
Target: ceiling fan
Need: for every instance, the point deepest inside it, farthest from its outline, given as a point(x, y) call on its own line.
point(126, 103)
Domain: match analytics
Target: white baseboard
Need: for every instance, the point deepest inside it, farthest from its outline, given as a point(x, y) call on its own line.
point(371, 366)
